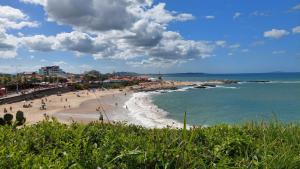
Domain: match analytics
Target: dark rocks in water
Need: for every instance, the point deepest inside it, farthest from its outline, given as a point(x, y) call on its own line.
point(258, 81)
point(200, 87)
point(209, 85)
point(230, 81)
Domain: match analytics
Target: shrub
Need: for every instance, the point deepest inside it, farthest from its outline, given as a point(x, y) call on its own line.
point(20, 119)
point(2, 122)
point(8, 118)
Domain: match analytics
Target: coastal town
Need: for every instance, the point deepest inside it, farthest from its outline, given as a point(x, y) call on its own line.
point(51, 91)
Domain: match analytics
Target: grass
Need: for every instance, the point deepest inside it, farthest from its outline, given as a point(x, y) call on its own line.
point(50, 144)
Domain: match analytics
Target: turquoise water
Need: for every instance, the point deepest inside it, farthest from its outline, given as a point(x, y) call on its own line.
point(236, 103)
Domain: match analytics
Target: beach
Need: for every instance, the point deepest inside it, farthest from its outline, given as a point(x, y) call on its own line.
point(62, 107)
point(130, 105)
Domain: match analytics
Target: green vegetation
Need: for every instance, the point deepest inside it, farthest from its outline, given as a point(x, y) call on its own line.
point(50, 144)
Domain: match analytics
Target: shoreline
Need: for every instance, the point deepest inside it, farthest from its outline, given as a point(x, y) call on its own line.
point(136, 107)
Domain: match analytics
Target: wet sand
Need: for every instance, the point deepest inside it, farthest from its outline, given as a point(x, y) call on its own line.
point(112, 109)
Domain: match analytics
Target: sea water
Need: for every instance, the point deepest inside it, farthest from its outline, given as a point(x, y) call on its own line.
point(278, 99)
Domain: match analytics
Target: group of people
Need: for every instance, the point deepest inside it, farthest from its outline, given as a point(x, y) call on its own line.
point(5, 110)
point(66, 100)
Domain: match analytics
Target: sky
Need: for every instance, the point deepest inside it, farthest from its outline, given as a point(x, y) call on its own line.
point(150, 36)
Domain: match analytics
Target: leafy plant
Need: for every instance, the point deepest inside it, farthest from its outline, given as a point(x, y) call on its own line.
point(50, 144)
point(20, 119)
point(8, 118)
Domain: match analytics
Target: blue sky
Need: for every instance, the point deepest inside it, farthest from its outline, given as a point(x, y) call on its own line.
point(145, 36)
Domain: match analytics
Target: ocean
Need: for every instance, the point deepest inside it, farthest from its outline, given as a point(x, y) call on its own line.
point(277, 99)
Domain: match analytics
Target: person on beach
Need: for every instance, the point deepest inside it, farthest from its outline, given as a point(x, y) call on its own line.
point(5, 110)
point(66, 99)
point(101, 118)
point(10, 108)
point(69, 106)
point(64, 106)
point(116, 104)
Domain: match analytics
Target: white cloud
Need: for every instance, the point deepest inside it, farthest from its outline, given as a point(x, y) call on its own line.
point(36, 2)
point(39, 43)
point(12, 18)
point(135, 28)
point(209, 17)
point(11, 13)
point(60, 63)
point(160, 15)
point(278, 52)
point(221, 43)
point(258, 13)
point(7, 24)
point(237, 15)
point(230, 54)
point(296, 29)
point(276, 33)
point(296, 7)
point(31, 57)
point(8, 45)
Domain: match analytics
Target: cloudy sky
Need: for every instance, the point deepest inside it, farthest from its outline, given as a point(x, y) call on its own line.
point(150, 36)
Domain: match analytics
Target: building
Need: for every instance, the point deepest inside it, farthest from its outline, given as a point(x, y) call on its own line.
point(30, 75)
point(3, 91)
point(52, 71)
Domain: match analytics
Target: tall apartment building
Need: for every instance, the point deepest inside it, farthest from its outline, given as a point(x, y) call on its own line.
point(52, 71)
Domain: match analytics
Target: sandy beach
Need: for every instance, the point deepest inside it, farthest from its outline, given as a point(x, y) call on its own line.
point(68, 106)
point(80, 106)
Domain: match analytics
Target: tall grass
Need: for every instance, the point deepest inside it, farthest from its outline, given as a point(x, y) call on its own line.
point(50, 144)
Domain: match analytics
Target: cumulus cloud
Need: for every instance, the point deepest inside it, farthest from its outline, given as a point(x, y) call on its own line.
point(39, 43)
point(11, 13)
point(276, 33)
point(12, 18)
point(296, 29)
point(118, 29)
point(160, 15)
point(8, 45)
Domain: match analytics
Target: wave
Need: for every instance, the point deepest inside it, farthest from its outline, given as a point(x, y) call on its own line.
point(226, 87)
point(145, 113)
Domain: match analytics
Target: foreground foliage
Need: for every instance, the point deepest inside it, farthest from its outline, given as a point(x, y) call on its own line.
point(54, 145)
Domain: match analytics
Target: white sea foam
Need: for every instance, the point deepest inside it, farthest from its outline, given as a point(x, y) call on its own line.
point(145, 113)
point(226, 87)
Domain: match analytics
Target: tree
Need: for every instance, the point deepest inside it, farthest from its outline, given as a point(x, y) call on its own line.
point(92, 75)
